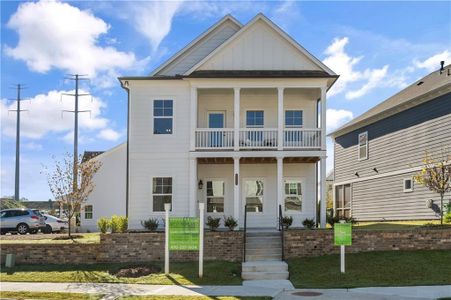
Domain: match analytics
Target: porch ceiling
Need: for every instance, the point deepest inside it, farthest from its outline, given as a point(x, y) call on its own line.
point(256, 160)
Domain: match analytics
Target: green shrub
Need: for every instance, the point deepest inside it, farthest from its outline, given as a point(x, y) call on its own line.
point(331, 220)
point(118, 224)
point(103, 224)
point(309, 223)
point(230, 222)
point(213, 223)
point(447, 217)
point(287, 222)
point(150, 224)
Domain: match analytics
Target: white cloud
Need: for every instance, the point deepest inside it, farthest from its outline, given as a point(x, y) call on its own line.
point(374, 77)
point(433, 62)
point(109, 134)
point(33, 146)
point(53, 34)
point(337, 117)
point(45, 115)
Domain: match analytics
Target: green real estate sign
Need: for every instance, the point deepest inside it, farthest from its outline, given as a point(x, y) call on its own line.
point(343, 234)
point(184, 233)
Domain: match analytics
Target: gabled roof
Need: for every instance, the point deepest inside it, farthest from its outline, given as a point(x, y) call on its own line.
point(195, 42)
point(403, 100)
point(262, 17)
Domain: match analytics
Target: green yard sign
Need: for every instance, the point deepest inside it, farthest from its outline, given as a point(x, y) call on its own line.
point(343, 234)
point(183, 233)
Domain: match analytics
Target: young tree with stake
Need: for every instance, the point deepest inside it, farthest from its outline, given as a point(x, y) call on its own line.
point(436, 176)
point(61, 182)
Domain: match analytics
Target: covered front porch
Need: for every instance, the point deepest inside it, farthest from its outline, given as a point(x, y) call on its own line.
point(229, 184)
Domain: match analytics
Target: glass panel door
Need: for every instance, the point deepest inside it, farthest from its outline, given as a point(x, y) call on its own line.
point(216, 120)
point(253, 192)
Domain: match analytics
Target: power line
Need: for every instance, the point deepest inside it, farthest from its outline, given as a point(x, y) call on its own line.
point(76, 111)
point(18, 87)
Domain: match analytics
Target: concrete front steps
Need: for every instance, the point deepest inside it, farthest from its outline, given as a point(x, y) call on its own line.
point(264, 256)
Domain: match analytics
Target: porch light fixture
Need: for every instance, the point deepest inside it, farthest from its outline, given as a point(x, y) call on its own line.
point(200, 185)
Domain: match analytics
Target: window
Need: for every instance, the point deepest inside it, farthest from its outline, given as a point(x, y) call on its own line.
point(363, 145)
point(162, 192)
point(253, 190)
point(343, 201)
point(407, 185)
point(88, 212)
point(162, 116)
point(215, 196)
point(293, 196)
point(255, 118)
point(293, 118)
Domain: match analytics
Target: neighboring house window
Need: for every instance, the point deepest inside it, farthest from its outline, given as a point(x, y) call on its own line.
point(407, 185)
point(255, 118)
point(215, 196)
point(293, 196)
point(293, 118)
point(88, 212)
point(343, 201)
point(162, 192)
point(363, 145)
point(162, 116)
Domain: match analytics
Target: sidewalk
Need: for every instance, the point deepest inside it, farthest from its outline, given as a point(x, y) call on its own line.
point(114, 290)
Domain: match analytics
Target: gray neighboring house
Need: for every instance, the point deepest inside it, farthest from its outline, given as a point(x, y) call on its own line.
point(377, 153)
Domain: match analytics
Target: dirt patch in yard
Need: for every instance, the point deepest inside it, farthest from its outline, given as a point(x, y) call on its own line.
point(136, 271)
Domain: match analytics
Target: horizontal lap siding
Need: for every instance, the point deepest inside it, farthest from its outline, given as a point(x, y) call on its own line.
point(397, 142)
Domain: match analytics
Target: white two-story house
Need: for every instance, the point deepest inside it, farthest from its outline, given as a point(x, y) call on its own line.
point(237, 120)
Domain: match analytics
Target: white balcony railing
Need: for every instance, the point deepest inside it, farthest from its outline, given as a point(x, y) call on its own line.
point(298, 138)
point(214, 138)
point(258, 138)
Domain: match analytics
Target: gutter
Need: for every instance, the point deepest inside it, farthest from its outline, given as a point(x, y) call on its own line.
point(127, 166)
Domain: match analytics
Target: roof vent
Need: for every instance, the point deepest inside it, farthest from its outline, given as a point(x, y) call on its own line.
point(442, 64)
point(420, 83)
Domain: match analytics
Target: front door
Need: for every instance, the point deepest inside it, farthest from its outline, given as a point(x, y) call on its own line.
point(216, 121)
point(254, 201)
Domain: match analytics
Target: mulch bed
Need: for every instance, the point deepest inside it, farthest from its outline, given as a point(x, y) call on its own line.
point(136, 271)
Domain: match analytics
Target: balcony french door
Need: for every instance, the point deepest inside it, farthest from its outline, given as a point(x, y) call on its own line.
point(216, 120)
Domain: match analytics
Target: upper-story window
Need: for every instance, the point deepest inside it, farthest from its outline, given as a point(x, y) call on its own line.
point(363, 145)
point(293, 118)
point(255, 118)
point(162, 116)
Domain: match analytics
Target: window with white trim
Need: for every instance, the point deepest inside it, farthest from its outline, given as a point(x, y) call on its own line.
point(162, 116)
point(88, 212)
point(161, 192)
point(293, 195)
point(215, 196)
point(255, 118)
point(293, 118)
point(407, 185)
point(343, 201)
point(363, 145)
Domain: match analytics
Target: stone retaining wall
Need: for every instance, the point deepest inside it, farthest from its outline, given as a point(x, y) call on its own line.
point(303, 243)
point(125, 247)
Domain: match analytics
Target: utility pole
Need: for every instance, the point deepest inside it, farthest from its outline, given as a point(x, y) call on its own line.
point(18, 87)
point(76, 111)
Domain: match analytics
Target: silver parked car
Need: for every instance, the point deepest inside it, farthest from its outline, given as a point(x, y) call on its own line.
point(54, 224)
point(21, 220)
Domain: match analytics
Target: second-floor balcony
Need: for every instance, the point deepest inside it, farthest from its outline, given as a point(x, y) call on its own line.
point(258, 138)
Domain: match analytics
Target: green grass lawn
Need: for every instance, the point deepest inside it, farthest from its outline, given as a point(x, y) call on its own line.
point(86, 238)
point(390, 268)
point(396, 225)
point(49, 296)
point(192, 298)
point(215, 272)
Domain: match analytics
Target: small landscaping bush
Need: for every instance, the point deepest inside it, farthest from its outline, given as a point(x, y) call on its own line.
point(118, 224)
point(448, 217)
point(150, 224)
point(230, 222)
point(309, 223)
point(331, 220)
point(213, 223)
point(103, 224)
point(287, 222)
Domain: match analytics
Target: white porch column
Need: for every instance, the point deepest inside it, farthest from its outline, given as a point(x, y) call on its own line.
point(193, 118)
point(322, 185)
point(323, 118)
point(192, 186)
point(236, 188)
point(280, 191)
point(236, 118)
point(280, 118)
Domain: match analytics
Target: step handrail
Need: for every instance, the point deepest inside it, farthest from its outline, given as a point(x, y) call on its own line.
point(244, 234)
point(281, 229)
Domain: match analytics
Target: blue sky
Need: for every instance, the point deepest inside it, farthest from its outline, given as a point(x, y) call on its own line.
point(377, 47)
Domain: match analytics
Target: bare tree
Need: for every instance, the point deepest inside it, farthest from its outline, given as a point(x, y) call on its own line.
point(436, 176)
point(61, 182)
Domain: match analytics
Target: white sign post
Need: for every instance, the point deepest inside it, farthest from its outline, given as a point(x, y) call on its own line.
point(167, 208)
point(342, 260)
point(201, 239)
